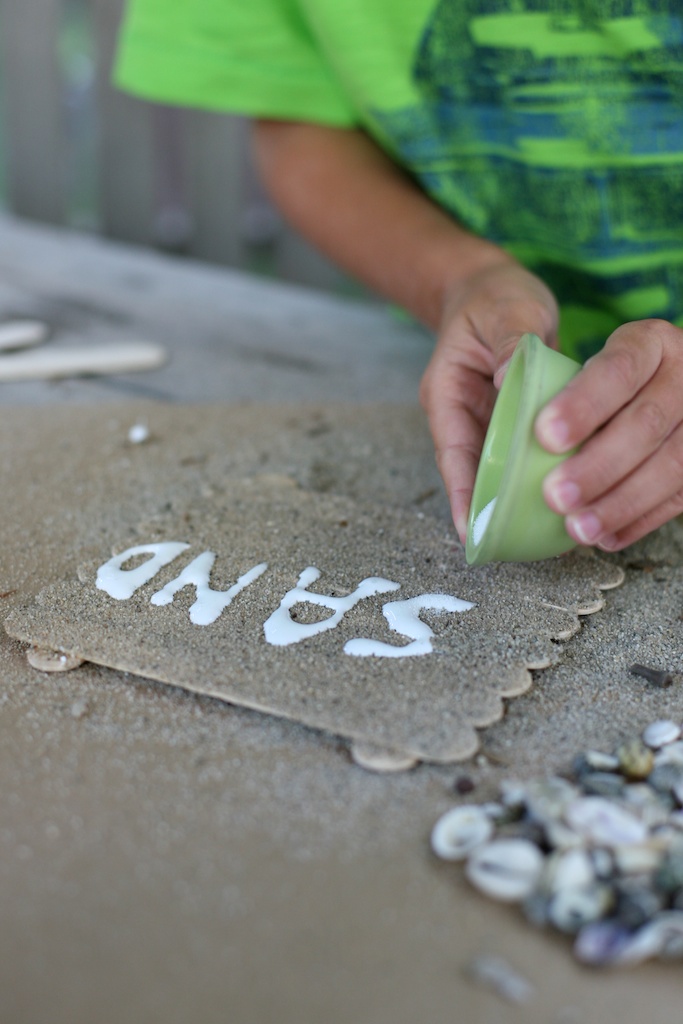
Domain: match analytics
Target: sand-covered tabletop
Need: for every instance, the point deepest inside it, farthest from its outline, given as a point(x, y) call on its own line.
point(162, 845)
point(165, 855)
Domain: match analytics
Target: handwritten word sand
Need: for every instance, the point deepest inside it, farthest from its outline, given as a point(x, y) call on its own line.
point(280, 629)
point(289, 589)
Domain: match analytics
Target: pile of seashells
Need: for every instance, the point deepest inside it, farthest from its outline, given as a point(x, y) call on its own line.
point(599, 858)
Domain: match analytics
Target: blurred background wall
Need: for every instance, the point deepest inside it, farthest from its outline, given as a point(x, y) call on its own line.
point(76, 152)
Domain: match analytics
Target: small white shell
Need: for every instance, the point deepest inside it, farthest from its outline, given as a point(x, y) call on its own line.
point(560, 836)
point(601, 761)
point(547, 798)
point(672, 753)
point(637, 859)
point(574, 907)
point(608, 943)
point(661, 733)
point(512, 793)
point(51, 661)
point(666, 837)
point(495, 973)
point(459, 831)
point(661, 937)
point(604, 823)
point(570, 869)
point(641, 800)
point(668, 929)
point(601, 943)
point(678, 792)
point(675, 819)
point(80, 708)
point(506, 869)
point(138, 433)
point(494, 810)
point(603, 863)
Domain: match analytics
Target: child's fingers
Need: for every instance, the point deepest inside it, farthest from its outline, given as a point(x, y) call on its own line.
point(458, 467)
point(458, 435)
point(628, 477)
point(631, 437)
point(652, 520)
point(458, 447)
point(608, 381)
point(644, 496)
point(457, 394)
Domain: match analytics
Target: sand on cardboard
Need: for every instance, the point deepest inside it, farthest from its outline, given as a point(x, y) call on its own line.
point(428, 707)
point(170, 854)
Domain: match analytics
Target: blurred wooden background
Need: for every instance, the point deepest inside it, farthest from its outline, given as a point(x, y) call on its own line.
point(76, 152)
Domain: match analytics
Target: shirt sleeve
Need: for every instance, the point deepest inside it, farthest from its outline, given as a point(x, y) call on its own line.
point(252, 57)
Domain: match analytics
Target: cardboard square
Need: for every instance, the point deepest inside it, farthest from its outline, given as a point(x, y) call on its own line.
point(426, 705)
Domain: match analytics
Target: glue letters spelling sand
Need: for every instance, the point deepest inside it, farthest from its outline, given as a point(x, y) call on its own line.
point(279, 629)
point(360, 620)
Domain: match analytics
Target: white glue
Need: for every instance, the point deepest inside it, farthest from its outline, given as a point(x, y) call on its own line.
point(209, 603)
point(280, 629)
point(404, 618)
point(482, 521)
point(122, 583)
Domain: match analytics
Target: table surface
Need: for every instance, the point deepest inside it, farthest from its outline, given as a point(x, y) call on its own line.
point(169, 858)
point(230, 337)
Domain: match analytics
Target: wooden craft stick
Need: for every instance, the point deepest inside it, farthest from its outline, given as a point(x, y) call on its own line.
point(73, 361)
point(16, 334)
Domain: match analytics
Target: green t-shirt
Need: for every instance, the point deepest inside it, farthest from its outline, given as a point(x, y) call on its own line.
point(552, 127)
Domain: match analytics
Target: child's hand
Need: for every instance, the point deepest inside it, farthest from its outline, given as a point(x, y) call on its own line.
point(628, 478)
point(484, 318)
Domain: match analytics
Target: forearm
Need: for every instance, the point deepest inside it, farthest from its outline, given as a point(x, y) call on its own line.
point(347, 197)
